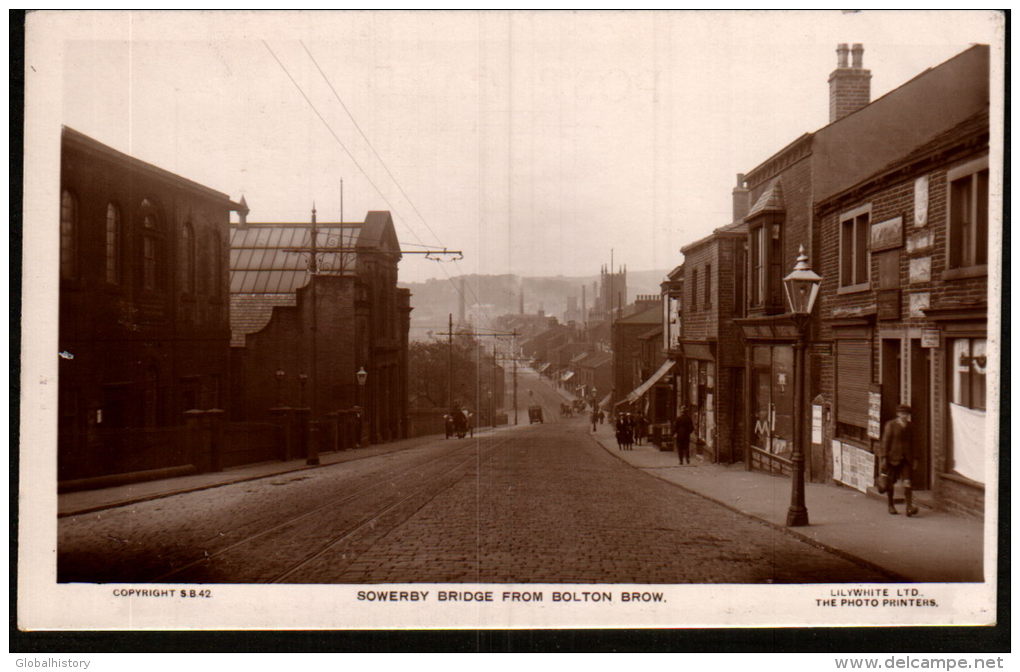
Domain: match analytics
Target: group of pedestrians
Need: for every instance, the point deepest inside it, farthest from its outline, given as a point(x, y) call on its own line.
point(631, 429)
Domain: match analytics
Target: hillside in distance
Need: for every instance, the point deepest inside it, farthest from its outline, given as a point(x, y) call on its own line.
point(489, 296)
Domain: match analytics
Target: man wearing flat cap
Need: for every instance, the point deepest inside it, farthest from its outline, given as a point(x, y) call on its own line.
point(897, 457)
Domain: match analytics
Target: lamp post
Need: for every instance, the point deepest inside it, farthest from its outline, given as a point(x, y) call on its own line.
point(280, 375)
point(362, 378)
point(801, 286)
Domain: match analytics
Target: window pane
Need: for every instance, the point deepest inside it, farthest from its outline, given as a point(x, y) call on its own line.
point(981, 219)
point(958, 223)
point(861, 251)
point(979, 365)
point(846, 254)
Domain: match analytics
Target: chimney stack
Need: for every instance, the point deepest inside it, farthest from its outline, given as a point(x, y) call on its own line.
point(849, 87)
point(741, 199)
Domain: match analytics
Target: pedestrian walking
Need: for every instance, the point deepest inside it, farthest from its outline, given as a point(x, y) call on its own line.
point(594, 421)
point(682, 429)
point(897, 458)
point(602, 416)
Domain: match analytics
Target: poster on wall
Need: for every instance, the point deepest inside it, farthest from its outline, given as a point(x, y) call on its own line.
point(875, 412)
point(857, 467)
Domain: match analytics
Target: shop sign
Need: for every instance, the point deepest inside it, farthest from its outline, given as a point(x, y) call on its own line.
point(921, 201)
point(816, 424)
point(875, 412)
point(930, 338)
point(887, 235)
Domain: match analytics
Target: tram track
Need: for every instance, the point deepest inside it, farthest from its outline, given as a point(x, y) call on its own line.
point(300, 530)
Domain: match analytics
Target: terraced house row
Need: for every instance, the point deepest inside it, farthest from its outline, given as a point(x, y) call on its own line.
point(892, 205)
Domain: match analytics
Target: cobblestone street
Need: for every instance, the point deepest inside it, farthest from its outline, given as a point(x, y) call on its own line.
point(539, 503)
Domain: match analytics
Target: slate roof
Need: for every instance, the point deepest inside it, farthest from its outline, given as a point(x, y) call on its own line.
point(771, 200)
point(251, 312)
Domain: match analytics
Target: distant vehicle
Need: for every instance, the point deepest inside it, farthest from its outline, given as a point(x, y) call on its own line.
point(535, 415)
point(460, 424)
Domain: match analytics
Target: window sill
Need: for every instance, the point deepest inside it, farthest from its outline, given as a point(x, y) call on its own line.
point(965, 272)
point(854, 289)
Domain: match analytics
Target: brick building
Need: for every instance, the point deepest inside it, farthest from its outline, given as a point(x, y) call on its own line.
point(711, 352)
point(629, 334)
point(904, 300)
point(860, 139)
point(143, 328)
point(287, 354)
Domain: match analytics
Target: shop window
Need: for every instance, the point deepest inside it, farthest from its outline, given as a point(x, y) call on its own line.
point(68, 235)
point(772, 399)
point(854, 228)
point(968, 215)
point(968, 374)
point(113, 244)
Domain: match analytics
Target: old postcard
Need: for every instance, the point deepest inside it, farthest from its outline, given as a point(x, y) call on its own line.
point(511, 319)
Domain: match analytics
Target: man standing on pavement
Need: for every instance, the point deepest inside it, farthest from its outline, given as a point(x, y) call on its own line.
point(897, 457)
point(594, 419)
point(682, 429)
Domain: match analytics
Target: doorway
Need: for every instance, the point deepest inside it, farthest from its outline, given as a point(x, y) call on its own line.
point(920, 405)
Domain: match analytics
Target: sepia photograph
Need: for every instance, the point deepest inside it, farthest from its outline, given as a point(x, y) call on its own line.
point(430, 319)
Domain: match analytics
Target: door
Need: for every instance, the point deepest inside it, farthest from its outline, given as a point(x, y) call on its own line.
point(891, 384)
point(920, 405)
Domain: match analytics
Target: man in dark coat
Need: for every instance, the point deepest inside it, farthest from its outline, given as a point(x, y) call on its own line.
point(682, 429)
point(897, 457)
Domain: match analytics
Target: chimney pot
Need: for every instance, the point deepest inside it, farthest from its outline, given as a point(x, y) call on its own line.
point(858, 55)
point(841, 53)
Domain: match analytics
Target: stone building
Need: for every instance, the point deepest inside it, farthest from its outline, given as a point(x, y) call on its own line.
point(300, 338)
point(904, 300)
point(143, 332)
point(860, 139)
point(628, 372)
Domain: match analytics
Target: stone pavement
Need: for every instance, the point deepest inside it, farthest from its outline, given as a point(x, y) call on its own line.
point(933, 546)
point(86, 501)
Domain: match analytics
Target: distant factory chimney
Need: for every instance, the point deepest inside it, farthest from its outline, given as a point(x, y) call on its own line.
point(460, 308)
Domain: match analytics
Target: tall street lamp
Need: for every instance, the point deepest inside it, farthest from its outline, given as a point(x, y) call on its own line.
point(802, 286)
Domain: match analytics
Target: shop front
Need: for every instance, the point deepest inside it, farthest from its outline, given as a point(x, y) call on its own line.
point(771, 415)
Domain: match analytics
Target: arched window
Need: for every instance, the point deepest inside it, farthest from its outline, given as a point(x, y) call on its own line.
point(113, 244)
point(216, 267)
point(188, 258)
point(68, 235)
point(151, 248)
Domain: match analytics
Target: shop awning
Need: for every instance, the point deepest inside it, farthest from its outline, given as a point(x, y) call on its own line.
point(566, 376)
point(640, 390)
point(542, 369)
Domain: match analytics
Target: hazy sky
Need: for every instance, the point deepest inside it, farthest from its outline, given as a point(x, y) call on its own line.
point(535, 142)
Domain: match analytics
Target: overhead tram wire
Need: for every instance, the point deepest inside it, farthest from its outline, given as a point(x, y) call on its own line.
point(355, 161)
point(382, 162)
point(369, 142)
point(333, 133)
